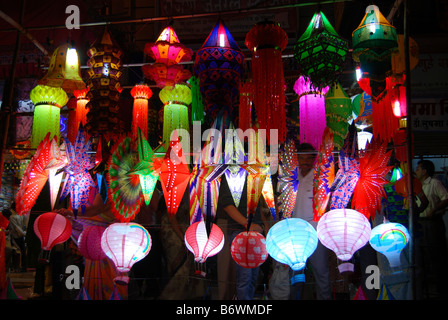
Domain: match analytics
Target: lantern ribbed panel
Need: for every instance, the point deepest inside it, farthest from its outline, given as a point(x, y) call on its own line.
point(52, 228)
point(292, 241)
point(201, 244)
point(248, 249)
point(343, 231)
point(390, 239)
point(89, 243)
point(125, 244)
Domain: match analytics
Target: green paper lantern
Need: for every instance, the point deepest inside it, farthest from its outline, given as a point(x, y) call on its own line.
point(338, 110)
point(321, 52)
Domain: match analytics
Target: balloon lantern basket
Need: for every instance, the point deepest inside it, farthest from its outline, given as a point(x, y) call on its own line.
point(200, 270)
point(44, 257)
point(346, 267)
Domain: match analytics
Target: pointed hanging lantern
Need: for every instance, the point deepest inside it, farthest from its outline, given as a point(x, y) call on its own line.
point(176, 100)
point(266, 40)
point(79, 114)
point(374, 41)
point(141, 94)
point(64, 70)
point(338, 110)
point(48, 102)
point(321, 52)
point(167, 52)
point(219, 66)
point(104, 81)
point(312, 111)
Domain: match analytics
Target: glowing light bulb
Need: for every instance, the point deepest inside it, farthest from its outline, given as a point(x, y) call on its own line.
point(222, 40)
point(372, 27)
point(72, 57)
point(396, 108)
point(358, 73)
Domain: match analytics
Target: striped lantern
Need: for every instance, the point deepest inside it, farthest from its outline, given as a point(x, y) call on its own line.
point(201, 243)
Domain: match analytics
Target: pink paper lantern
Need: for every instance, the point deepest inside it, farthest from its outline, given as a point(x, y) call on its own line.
point(125, 244)
point(344, 231)
point(89, 243)
point(248, 249)
point(202, 244)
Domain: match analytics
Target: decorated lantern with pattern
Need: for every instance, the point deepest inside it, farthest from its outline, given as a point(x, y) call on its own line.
point(248, 249)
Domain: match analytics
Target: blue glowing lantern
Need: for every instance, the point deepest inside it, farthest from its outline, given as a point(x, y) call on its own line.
point(389, 239)
point(291, 241)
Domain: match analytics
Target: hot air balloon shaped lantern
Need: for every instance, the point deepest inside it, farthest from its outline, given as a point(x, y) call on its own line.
point(389, 239)
point(292, 241)
point(203, 241)
point(248, 249)
point(344, 231)
point(125, 244)
point(141, 94)
point(51, 228)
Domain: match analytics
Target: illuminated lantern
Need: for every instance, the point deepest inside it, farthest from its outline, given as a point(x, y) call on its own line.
point(48, 102)
point(141, 93)
point(79, 114)
point(288, 181)
point(105, 71)
point(125, 244)
point(219, 66)
point(292, 241)
point(197, 103)
point(338, 109)
point(245, 107)
point(374, 41)
point(266, 40)
point(57, 162)
point(167, 52)
point(362, 110)
point(51, 228)
point(389, 239)
point(344, 231)
point(176, 100)
point(203, 243)
point(321, 52)
point(364, 137)
point(64, 70)
point(248, 249)
point(89, 243)
point(312, 111)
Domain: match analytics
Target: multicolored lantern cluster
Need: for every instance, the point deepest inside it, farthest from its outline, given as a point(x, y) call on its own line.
point(266, 40)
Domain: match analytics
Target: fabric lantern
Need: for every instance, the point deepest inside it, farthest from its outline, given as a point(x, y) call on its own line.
point(266, 40)
point(105, 71)
point(79, 113)
point(219, 66)
point(344, 231)
point(338, 110)
point(89, 243)
point(141, 93)
point(64, 70)
point(312, 111)
point(291, 241)
point(374, 41)
point(176, 100)
point(321, 52)
point(51, 228)
point(389, 239)
point(201, 243)
point(125, 244)
point(167, 52)
point(248, 249)
point(48, 102)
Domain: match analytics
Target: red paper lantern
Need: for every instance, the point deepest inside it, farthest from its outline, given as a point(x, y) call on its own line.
point(248, 249)
point(202, 244)
point(89, 243)
point(51, 228)
point(141, 93)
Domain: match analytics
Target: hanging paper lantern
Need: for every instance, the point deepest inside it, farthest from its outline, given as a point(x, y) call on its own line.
point(48, 102)
point(89, 243)
point(58, 161)
point(125, 244)
point(245, 108)
point(104, 81)
point(362, 110)
point(390, 239)
point(364, 138)
point(312, 111)
point(266, 40)
point(201, 243)
point(176, 100)
point(167, 52)
point(141, 93)
point(321, 52)
point(344, 231)
point(374, 41)
point(197, 104)
point(338, 109)
point(291, 241)
point(288, 181)
point(78, 115)
point(248, 249)
point(219, 66)
point(64, 70)
point(51, 228)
